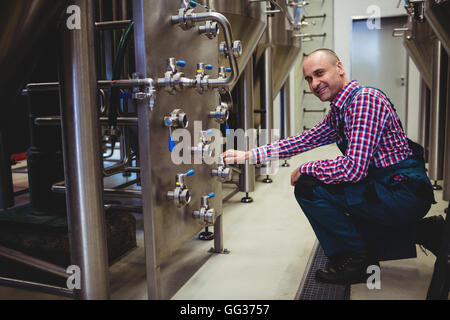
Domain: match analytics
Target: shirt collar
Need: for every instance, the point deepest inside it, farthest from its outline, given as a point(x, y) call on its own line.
point(344, 94)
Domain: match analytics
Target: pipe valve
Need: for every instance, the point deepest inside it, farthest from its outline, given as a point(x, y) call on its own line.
point(177, 119)
point(206, 215)
point(210, 29)
point(174, 80)
point(221, 114)
point(181, 195)
point(222, 172)
point(202, 147)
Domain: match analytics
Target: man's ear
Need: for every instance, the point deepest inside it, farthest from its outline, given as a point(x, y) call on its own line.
point(340, 68)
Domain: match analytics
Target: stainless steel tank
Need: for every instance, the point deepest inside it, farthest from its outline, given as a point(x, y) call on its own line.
point(437, 13)
point(280, 35)
point(249, 22)
point(419, 44)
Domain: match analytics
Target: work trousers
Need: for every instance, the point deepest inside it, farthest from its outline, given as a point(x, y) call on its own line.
point(379, 213)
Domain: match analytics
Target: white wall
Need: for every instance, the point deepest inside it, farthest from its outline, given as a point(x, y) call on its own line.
point(345, 11)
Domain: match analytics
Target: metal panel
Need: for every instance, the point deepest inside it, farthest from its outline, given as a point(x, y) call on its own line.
point(156, 41)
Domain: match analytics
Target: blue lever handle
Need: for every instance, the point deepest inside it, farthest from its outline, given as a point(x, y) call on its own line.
point(209, 67)
point(210, 131)
point(192, 3)
point(227, 130)
point(228, 70)
point(181, 63)
point(211, 195)
point(190, 173)
point(171, 144)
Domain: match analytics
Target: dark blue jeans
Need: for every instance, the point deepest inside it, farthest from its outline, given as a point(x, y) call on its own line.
point(379, 213)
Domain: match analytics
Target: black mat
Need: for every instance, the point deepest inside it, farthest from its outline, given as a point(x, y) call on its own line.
point(311, 289)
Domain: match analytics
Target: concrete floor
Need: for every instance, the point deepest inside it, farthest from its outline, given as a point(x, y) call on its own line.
point(270, 242)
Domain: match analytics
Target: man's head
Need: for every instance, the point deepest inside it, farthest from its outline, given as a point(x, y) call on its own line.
point(325, 74)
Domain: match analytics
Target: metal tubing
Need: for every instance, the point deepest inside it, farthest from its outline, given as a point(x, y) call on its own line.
point(446, 187)
point(107, 25)
point(56, 121)
point(435, 169)
point(33, 262)
point(423, 121)
point(286, 110)
point(153, 270)
point(14, 283)
point(127, 193)
point(247, 174)
point(82, 156)
point(228, 35)
point(268, 94)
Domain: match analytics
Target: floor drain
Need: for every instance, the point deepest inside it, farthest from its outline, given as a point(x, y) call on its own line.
point(311, 289)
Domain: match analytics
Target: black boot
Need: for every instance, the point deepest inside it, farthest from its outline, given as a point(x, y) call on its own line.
point(350, 268)
point(429, 233)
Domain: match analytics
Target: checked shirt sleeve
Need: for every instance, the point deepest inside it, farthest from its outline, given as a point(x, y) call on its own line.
point(321, 134)
point(365, 120)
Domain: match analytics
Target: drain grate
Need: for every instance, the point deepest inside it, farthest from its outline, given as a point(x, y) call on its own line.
point(311, 289)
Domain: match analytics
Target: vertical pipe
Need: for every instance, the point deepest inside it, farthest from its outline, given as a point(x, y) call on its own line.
point(286, 109)
point(247, 178)
point(446, 190)
point(435, 170)
point(423, 113)
point(82, 155)
point(268, 93)
point(152, 265)
point(6, 184)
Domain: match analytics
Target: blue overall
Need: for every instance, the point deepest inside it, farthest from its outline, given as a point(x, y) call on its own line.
point(378, 213)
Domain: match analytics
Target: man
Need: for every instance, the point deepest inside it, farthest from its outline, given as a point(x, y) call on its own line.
point(363, 206)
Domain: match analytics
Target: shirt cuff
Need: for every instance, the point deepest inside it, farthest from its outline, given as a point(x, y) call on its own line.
point(307, 168)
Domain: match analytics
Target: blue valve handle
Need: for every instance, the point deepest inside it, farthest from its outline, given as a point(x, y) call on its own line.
point(190, 173)
point(181, 63)
point(210, 131)
point(192, 3)
point(211, 195)
point(228, 70)
point(227, 130)
point(171, 144)
point(209, 67)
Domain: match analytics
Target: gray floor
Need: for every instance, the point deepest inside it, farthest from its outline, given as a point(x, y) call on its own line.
point(270, 242)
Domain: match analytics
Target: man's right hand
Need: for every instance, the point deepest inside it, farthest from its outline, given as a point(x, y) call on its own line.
point(237, 157)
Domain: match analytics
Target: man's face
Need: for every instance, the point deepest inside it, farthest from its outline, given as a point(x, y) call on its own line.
point(324, 76)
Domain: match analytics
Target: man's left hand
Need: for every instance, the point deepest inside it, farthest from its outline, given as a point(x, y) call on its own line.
point(295, 176)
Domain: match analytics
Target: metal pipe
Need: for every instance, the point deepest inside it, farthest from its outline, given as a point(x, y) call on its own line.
point(228, 35)
point(82, 156)
point(127, 193)
point(268, 94)
point(286, 110)
point(107, 25)
point(435, 169)
point(117, 207)
point(247, 175)
point(33, 262)
point(14, 283)
point(153, 270)
point(423, 116)
point(56, 121)
point(446, 187)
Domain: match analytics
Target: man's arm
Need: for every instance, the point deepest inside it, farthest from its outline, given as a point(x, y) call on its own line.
point(365, 119)
point(321, 134)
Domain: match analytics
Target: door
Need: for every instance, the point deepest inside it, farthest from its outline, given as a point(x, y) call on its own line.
point(379, 60)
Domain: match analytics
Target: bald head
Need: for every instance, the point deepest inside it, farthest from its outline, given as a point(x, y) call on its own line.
point(328, 54)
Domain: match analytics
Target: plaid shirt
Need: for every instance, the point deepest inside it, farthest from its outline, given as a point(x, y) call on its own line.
point(373, 131)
